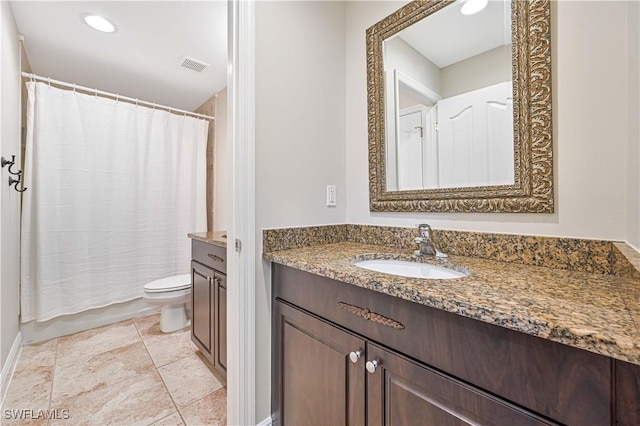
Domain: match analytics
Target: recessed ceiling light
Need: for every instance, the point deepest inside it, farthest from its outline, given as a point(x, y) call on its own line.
point(469, 7)
point(99, 23)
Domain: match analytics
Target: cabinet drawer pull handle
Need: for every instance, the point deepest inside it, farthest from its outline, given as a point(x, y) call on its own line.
point(371, 316)
point(354, 356)
point(216, 258)
point(371, 366)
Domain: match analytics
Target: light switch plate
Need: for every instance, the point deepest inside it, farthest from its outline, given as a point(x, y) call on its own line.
point(331, 195)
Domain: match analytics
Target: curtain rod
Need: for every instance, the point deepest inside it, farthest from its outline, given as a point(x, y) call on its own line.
point(113, 95)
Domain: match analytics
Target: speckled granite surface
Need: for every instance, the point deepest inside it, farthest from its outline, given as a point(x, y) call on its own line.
point(627, 262)
point(596, 312)
point(602, 257)
point(288, 238)
point(218, 238)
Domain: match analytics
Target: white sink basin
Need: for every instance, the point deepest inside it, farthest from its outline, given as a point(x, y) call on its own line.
point(410, 269)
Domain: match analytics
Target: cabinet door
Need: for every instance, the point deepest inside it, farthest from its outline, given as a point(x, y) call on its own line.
point(402, 392)
point(627, 393)
point(201, 307)
point(220, 338)
point(315, 382)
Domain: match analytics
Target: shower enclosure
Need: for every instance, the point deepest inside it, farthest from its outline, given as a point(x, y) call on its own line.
point(114, 188)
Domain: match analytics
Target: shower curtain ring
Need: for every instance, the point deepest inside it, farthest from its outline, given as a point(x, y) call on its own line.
point(74, 88)
point(49, 80)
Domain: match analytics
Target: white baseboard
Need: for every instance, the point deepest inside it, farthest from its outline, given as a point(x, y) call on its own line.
point(265, 422)
point(9, 367)
point(34, 331)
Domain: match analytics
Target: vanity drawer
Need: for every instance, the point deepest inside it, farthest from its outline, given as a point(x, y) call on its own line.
point(209, 255)
point(563, 383)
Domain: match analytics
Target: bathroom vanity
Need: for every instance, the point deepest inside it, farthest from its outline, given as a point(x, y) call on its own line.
point(508, 344)
point(209, 298)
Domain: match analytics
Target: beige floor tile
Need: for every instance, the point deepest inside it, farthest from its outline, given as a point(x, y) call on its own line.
point(172, 420)
point(171, 347)
point(29, 392)
point(12, 418)
point(122, 374)
point(139, 400)
point(78, 347)
point(38, 354)
point(148, 327)
point(188, 380)
point(164, 348)
point(210, 410)
point(99, 371)
point(30, 389)
point(27, 397)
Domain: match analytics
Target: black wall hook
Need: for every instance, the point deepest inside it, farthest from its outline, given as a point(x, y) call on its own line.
point(6, 162)
point(14, 182)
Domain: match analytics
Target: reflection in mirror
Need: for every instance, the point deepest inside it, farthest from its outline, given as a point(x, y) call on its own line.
point(460, 108)
point(449, 100)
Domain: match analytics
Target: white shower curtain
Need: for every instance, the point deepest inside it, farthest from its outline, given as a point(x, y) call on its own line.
point(113, 190)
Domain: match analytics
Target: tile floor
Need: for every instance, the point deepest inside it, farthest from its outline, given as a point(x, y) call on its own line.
point(127, 373)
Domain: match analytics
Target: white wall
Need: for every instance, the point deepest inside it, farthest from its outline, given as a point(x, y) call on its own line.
point(299, 137)
point(590, 74)
point(221, 198)
point(399, 55)
point(10, 199)
point(633, 101)
point(488, 68)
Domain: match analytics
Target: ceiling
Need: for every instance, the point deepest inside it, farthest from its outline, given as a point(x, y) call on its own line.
point(447, 36)
point(141, 59)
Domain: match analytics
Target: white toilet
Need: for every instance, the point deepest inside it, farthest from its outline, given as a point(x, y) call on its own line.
point(172, 294)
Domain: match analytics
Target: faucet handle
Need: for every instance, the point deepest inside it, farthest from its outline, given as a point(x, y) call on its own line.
point(426, 243)
point(425, 229)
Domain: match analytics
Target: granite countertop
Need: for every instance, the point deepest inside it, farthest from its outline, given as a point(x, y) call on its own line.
point(217, 238)
point(596, 312)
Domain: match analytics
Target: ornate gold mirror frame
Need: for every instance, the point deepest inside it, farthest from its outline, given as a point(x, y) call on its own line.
point(532, 191)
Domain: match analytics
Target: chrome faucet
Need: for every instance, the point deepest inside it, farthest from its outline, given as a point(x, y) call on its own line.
point(426, 244)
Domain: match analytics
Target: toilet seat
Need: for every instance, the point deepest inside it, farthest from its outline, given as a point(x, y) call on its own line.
point(169, 284)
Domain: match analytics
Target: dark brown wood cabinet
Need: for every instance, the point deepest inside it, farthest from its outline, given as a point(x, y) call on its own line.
point(220, 315)
point(209, 304)
point(433, 367)
point(314, 357)
point(627, 394)
point(403, 392)
point(201, 306)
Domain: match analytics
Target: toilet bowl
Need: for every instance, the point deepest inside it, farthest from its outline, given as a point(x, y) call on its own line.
point(172, 294)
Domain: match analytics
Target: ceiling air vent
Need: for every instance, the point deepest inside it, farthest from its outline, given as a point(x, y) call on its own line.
point(193, 64)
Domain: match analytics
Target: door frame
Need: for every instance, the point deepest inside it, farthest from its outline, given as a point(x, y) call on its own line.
point(241, 213)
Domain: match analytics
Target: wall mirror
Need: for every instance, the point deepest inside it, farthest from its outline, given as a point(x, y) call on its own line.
point(459, 107)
